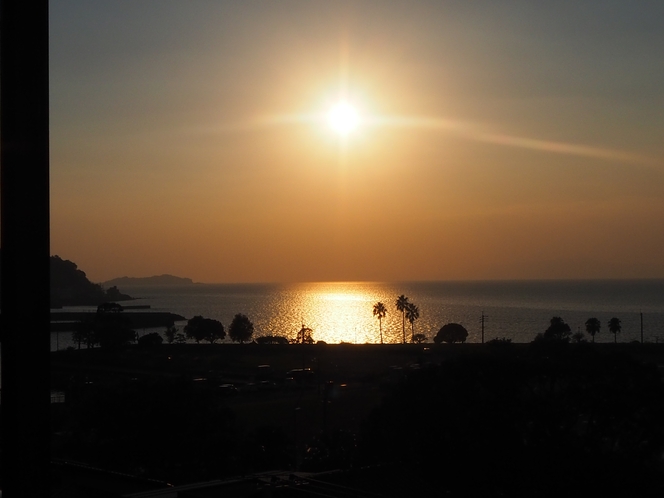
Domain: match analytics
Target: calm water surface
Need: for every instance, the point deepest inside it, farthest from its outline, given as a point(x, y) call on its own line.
point(343, 311)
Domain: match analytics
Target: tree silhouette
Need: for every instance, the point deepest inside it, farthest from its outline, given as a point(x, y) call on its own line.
point(592, 327)
point(419, 338)
point(578, 337)
point(452, 332)
point(170, 333)
point(111, 329)
point(401, 304)
point(151, 339)
point(241, 329)
point(379, 311)
point(558, 330)
point(84, 332)
point(204, 329)
point(615, 328)
point(412, 314)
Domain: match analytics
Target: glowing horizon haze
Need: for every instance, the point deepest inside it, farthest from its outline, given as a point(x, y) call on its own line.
point(299, 141)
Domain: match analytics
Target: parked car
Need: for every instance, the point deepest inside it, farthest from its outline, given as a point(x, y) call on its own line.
point(228, 390)
point(301, 375)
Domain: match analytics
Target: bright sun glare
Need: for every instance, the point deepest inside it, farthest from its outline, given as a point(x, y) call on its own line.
point(343, 118)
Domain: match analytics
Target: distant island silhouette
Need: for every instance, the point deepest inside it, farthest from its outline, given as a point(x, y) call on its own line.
point(157, 280)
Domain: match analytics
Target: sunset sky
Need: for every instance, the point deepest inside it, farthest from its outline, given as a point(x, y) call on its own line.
point(495, 139)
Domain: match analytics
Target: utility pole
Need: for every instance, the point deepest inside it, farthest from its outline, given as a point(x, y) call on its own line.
point(641, 327)
point(482, 326)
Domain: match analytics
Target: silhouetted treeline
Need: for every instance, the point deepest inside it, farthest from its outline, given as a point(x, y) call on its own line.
point(71, 287)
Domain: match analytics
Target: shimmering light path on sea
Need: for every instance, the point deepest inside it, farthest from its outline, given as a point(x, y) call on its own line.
point(343, 311)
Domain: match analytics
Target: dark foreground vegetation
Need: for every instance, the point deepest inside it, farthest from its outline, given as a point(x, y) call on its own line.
point(500, 419)
point(550, 422)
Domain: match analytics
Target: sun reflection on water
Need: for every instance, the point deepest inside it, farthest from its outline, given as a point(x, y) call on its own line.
point(336, 311)
point(343, 312)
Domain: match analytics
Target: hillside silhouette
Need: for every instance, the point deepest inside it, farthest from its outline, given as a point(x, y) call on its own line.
point(70, 286)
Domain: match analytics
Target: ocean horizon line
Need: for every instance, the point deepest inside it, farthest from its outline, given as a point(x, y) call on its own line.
point(423, 281)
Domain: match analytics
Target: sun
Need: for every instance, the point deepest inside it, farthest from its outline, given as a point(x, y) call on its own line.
point(343, 118)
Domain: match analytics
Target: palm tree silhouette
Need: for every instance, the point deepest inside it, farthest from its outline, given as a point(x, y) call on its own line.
point(379, 310)
point(401, 304)
point(615, 328)
point(592, 326)
point(412, 314)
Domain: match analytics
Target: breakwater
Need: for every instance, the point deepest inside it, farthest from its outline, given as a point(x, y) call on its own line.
point(66, 320)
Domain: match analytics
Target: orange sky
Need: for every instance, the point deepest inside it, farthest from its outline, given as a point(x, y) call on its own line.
point(498, 142)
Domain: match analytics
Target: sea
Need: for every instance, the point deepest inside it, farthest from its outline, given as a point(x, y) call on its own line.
point(343, 311)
